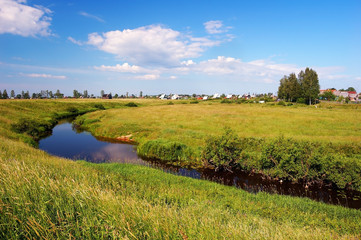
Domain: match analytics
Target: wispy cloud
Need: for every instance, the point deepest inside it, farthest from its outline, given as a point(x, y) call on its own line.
point(147, 77)
point(88, 15)
point(215, 27)
point(42, 75)
point(20, 19)
point(80, 43)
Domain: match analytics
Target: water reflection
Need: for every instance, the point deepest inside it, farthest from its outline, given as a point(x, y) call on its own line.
point(69, 142)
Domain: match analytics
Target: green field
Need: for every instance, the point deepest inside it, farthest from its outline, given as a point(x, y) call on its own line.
point(46, 197)
point(294, 142)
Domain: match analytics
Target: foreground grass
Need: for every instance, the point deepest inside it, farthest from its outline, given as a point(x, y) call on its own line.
point(49, 197)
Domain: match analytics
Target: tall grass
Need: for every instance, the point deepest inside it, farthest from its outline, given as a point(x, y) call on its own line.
point(46, 197)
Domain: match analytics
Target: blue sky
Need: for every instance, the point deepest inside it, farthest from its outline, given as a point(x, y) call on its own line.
point(176, 46)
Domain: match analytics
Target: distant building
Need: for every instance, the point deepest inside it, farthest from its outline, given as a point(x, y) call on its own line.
point(107, 96)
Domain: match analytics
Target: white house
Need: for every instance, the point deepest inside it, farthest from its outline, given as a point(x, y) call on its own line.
point(175, 97)
point(216, 95)
point(162, 97)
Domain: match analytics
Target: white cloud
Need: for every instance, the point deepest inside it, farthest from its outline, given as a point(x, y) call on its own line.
point(152, 45)
point(215, 27)
point(20, 19)
point(148, 77)
point(42, 75)
point(173, 77)
point(124, 68)
point(88, 15)
point(75, 41)
point(358, 78)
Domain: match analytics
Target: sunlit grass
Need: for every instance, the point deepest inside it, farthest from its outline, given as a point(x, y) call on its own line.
point(46, 197)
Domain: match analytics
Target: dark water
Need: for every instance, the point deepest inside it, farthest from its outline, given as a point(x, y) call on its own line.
point(70, 142)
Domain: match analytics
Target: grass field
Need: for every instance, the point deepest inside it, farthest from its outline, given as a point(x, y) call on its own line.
point(294, 142)
point(46, 197)
point(192, 122)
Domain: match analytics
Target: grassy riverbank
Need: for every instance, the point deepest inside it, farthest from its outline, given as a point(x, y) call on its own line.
point(293, 142)
point(51, 198)
point(42, 196)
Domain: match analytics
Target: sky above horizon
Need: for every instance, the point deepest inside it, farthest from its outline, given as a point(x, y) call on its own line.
point(230, 47)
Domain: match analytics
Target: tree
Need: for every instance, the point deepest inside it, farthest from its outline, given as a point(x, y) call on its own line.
point(116, 95)
point(328, 95)
point(85, 94)
point(27, 95)
point(58, 94)
point(101, 93)
point(141, 94)
point(5, 94)
point(1, 95)
point(309, 84)
point(12, 94)
point(76, 94)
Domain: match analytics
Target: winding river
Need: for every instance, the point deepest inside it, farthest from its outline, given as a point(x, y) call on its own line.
point(69, 142)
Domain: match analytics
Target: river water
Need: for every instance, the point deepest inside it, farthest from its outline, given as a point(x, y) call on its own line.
point(69, 142)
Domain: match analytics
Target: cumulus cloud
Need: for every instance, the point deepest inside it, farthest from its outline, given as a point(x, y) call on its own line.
point(215, 27)
point(88, 15)
point(152, 45)
point(42, 75)
point(20, 19)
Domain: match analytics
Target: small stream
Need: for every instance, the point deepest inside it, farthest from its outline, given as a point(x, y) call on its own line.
point(70, 142)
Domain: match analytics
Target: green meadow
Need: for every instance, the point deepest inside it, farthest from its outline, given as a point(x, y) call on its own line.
point(47, 197)
point(295, 142)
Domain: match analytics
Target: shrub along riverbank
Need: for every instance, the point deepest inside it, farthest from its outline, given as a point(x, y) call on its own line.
point(294, 143)
point(42, 196)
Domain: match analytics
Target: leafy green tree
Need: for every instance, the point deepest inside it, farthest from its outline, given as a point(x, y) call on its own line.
point(351, 89)
point(27, 95)
point(1, 95)
point(76, 94)
point(85, 94)
point(5, 94)
point(310, 85)
point(58, 94)
point(328, 95)
point(12, 94)
point(101, 93)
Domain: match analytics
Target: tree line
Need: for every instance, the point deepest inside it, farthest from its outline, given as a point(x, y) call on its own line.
point(303, 88)
point(50, 94)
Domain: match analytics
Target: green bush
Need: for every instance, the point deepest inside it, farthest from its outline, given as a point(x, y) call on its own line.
point(99, 106)
point(171, 151)
point(131, 104)
point(194, 102)
point(222, 152)
point(301, 100)
point(281, 103)
point(225, 100)
point(72, 109)
point(32, 127)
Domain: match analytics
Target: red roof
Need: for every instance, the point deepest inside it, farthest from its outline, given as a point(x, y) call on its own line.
point(352, 92)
